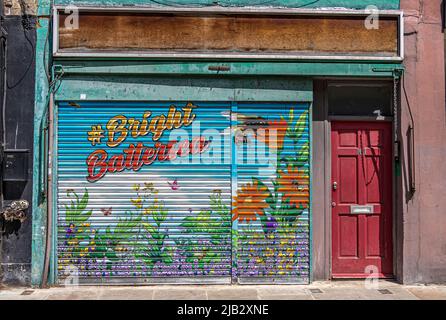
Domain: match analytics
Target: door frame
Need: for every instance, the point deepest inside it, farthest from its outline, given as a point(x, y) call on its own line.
point(356, 119)
point(322, 178)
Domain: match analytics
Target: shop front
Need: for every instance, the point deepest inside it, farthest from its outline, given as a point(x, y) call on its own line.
point(209, 146)
point(185, 185)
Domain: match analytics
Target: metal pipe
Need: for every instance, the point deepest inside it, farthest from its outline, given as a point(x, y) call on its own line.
point(49, 229)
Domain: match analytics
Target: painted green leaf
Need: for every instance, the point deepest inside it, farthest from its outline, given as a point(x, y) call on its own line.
point(149, 228)
point(75, 212)
point(159, 213)
point(167, 258)
point(301, 125)
point(84, 201)
point(303, 155)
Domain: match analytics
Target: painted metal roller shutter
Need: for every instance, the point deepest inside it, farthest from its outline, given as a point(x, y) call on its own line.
point(130, 211)
point(272, 202)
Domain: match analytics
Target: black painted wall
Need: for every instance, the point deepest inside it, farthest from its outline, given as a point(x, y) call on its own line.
point(16, 242)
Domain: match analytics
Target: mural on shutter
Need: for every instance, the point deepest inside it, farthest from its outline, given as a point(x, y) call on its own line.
point(271, 208)
point(144, 191)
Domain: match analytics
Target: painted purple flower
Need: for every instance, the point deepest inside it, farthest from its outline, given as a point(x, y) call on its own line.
point(271, 224)
point(70, 231)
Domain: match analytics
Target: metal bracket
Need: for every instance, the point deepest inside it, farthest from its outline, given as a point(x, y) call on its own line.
point(58, 69)
point(397, 73)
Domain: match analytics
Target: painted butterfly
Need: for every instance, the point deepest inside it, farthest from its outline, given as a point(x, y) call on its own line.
point(174, 185)
point(107, 212)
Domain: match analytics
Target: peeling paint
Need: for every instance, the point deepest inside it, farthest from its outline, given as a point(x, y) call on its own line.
point(12, 7)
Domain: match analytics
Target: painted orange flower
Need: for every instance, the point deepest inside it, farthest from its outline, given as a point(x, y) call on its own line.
point(250, 202)
point(293, 183)
point(274, 134)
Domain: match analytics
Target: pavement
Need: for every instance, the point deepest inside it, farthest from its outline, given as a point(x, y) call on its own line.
point(331, 290)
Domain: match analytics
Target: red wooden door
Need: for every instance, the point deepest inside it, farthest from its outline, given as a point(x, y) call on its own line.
point(361, 199)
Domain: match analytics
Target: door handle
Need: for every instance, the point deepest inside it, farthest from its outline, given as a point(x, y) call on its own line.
point(334, 204)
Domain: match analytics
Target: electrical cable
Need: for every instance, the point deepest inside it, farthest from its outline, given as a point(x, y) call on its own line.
point(408, 102)
point(5, 88)
point(4, 41)
point(412, 142)
point(45, 46)
point(297, 7)
point(26, 25)
point(53, 88)
point(221, 3)
point(179, 5)
point(4, 36)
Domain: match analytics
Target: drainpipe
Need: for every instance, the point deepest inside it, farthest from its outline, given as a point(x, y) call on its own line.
point(49, 227)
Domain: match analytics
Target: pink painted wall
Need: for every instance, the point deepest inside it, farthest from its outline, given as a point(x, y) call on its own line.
point(422, 237)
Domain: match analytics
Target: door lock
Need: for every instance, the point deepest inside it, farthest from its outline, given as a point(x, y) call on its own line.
point(335, 185)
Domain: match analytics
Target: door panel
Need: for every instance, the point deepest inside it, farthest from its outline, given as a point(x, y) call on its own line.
point(144, 191)
point(361, 199)
point(348, 179)
point(348, 244)
point(272, 203)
